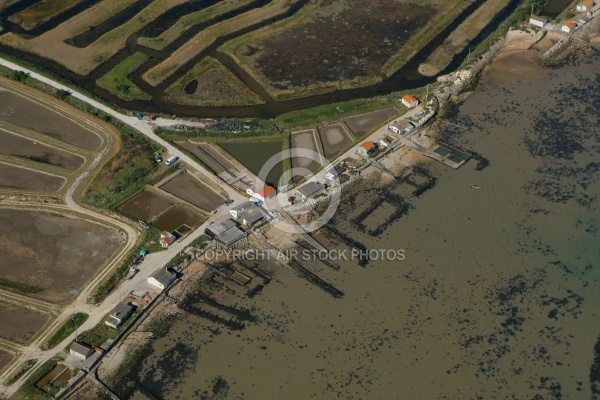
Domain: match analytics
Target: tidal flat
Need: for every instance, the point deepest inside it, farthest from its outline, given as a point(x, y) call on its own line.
point(496, 297)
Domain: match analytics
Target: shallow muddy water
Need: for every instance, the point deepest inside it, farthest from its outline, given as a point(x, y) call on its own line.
point(496, 297)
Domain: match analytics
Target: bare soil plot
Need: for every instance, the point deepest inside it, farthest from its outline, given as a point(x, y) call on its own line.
point(20, 323)
point(19, 146)
point(46, 254)
point(335, 139)
point(191, 189)
point(27, 179)
point(337, 43)
point(209, 83)
point(34, 16)
point(177, 216)
point(206, 37)
point(146, 205)
point(362, 124)
point(303, 140)
point(28, 114)
point(6, 358)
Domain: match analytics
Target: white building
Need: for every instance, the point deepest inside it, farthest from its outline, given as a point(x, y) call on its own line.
point(538, 21)
point(410, 101)
point(81, 351)
point(311, 189)
point(161, 279)
point(402, 126)
point(585, 6)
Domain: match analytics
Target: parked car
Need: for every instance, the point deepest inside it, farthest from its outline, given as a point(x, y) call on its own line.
point(419, 114)
point(228, 202)
point(157, 158)
point(171, 160)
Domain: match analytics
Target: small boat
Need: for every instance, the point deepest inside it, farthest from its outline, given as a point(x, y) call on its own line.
point(474, 186)
point(143, 224)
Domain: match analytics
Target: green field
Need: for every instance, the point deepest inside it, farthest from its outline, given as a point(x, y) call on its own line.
point(117, 82)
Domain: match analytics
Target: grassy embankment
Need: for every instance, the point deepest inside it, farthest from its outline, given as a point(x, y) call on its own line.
point(444, 17)
point(462, 36)
point(235, 92)
point(64, 331)
point(206, 37)
point(34, 16)
point(83, 60)
point(187, 21)
point(117, 82)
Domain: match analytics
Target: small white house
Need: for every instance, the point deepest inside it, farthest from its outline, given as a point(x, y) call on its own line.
point(402, 126)
point(81, 351)
point(568, 26)
point(538, 21)
point(410, 101)
point(161, 279)
point(585, 6)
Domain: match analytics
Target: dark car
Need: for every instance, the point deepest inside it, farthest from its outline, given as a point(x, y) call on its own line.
point(228, 202)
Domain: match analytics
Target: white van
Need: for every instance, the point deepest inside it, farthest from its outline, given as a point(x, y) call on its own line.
point(171, 160)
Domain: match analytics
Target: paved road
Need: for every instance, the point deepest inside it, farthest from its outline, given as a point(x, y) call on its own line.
point(149, 265)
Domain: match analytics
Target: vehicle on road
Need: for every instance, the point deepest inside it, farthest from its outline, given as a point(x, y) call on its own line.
point(419, 114)
point(171, 160)
point(143, 224)
point(228, 202)
point(132, 272)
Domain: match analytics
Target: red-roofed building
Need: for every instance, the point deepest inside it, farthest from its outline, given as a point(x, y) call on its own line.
point(366, 148)
point(410, 101)
point(568, 26)
point(266, 192)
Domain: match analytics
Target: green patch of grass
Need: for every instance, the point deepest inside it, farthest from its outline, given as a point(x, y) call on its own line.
point(261, 130)
point(127, 172)
point(117, 82)
point(26, 367)
point(180, 257)
point(69, 327)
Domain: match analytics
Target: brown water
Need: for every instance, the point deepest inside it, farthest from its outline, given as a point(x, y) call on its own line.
point(496, 298)
point(254, 155)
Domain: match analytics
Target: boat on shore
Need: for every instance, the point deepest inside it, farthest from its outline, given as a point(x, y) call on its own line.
point(474, 186)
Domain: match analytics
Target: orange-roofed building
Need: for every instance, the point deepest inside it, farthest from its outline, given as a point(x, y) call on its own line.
point(266, 192)
point(410, 101)
point(366, 148)
point(568, 26)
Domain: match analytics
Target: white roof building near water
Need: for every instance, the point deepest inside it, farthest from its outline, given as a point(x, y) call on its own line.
point(161, 279)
